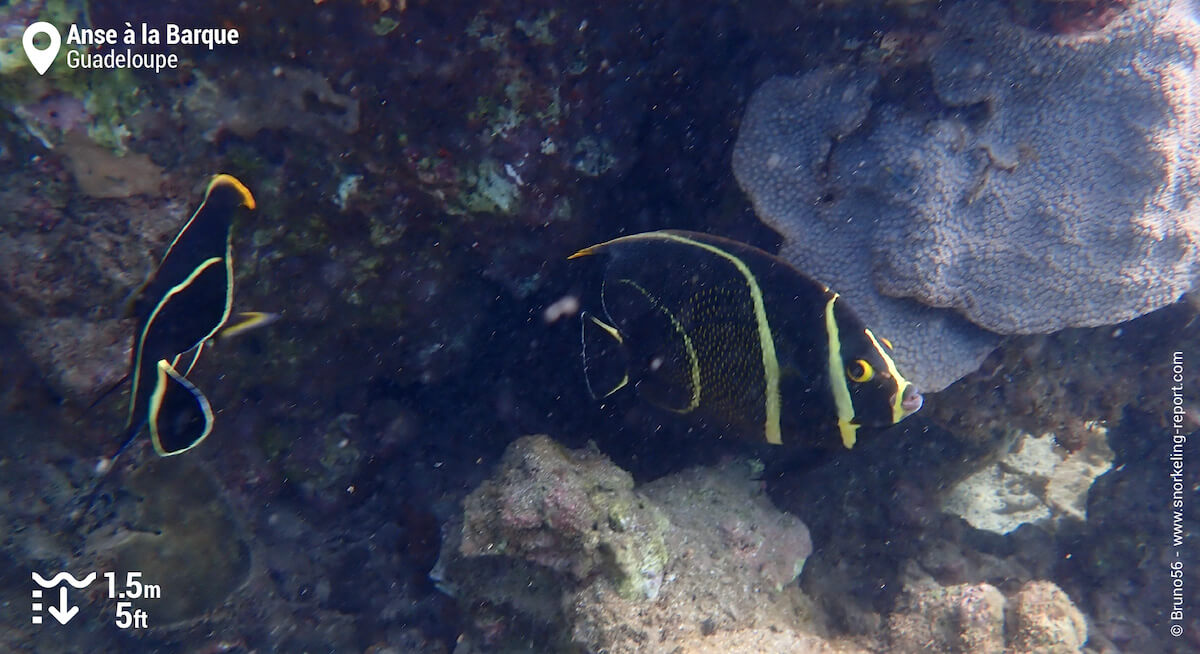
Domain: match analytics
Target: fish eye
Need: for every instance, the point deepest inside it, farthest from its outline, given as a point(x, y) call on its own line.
point(860, 371)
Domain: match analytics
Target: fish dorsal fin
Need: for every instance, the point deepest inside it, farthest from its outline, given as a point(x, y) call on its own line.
point(180, 417)
point(605, 362)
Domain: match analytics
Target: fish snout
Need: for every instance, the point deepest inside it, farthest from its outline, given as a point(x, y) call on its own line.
point(910, 400)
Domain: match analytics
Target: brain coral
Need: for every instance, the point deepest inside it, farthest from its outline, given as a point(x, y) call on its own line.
point(830, 222)
point(1051, 184)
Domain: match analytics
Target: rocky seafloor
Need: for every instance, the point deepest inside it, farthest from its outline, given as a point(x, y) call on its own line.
point(408, 461)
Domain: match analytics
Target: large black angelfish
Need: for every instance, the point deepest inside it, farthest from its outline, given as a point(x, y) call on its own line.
point(704, 325)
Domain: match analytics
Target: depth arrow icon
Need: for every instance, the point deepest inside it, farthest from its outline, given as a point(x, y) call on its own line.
point(63, 612)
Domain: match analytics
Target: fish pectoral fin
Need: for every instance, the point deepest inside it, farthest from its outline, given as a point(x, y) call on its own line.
point(246, 321)
point(180, 417)
point(605, 363)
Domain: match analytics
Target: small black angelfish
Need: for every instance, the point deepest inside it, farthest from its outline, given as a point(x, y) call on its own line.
point(698, 323)
point(185, 302)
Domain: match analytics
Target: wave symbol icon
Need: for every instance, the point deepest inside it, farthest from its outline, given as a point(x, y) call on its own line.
point(64, 576)
point(64, 611)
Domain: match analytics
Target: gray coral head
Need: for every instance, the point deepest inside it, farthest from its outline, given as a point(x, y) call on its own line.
point(803, 141)
point(1049, 181)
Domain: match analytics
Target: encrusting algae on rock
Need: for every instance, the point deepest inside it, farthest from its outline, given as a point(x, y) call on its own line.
point(1034, 481)
point(570, 511)
point(559, 544)
point(978, 619)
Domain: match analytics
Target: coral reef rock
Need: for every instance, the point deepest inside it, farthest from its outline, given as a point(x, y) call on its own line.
point(972, 618)
point(63, 282)
point(1070, 158)
point(1035, 481)
point(102, 174)
point(787, 137)
point(77, 355)
point(571, 512)
point(962, 618)
point(1086, 169)
point(302, 100)
point(1045, 621)
point(190, 543)
point(559, 551)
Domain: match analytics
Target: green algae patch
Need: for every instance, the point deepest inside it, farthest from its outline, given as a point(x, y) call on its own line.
point(111, 98)
point(489, 190)
point(636, 552)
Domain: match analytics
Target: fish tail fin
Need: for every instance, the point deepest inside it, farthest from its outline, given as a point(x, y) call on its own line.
point(180, 417)
point(605, 362)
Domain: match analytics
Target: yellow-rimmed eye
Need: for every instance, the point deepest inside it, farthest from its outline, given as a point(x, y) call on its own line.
point(860, 371)
point(886, 342)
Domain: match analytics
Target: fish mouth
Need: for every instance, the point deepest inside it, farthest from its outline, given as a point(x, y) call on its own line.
point(911, 400)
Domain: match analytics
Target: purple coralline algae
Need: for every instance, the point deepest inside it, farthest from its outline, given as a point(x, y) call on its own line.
point(1053, 186)
point(573, 512)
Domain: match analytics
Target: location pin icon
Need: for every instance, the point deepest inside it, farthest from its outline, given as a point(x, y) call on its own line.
point(41, 59)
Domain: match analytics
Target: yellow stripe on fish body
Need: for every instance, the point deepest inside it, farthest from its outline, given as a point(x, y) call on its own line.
point(899, 412)
point(838, 384)
point(739, 335)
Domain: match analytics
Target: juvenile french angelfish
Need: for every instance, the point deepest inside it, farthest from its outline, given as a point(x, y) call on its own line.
point(703, 325)
point(185, 302)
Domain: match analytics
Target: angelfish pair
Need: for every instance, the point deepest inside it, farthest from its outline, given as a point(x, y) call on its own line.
point(706, 326)
point(185, 303)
